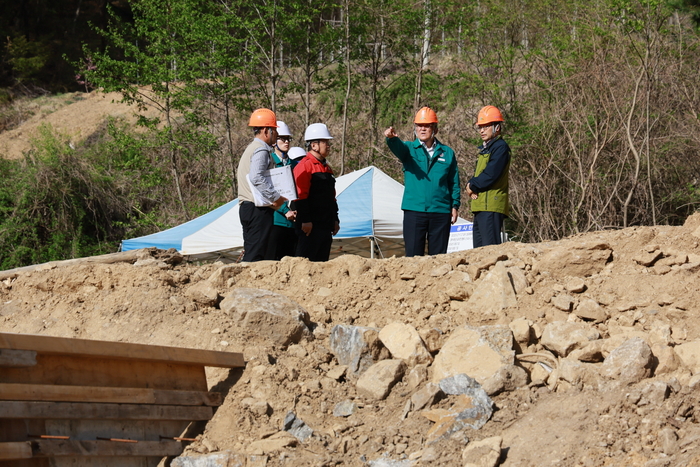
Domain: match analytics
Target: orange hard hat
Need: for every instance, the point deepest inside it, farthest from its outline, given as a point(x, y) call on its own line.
point(489, 114)
point(426, 115)
point(263, 118)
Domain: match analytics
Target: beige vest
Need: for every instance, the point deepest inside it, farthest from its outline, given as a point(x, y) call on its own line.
point(244, 193)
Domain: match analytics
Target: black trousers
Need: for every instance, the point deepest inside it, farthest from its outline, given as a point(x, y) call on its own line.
point(419, 226)
point(282, 242)
point(257, 223)
point(317, 245)
point(487, 228)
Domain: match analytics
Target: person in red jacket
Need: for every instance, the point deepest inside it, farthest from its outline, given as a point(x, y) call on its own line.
point(317, 209)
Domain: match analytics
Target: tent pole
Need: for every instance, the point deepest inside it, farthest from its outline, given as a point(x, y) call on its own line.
point(371, 247)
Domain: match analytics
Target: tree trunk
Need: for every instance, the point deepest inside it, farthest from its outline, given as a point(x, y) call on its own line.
point(348, 76)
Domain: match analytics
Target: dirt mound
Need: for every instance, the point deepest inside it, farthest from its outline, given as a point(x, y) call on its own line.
point(623, 395)
point(77, 115)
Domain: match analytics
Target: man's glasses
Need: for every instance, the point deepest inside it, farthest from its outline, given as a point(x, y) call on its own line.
point(286, 139)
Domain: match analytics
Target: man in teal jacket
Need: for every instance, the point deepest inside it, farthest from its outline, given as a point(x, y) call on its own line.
point(431, 195)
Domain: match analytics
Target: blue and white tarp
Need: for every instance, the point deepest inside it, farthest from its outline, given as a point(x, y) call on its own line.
point(369, 203)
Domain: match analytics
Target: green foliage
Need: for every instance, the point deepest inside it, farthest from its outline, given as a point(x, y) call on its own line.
point(54, 206)
point(26, 58)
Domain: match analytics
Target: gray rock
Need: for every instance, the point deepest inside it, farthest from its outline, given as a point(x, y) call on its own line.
point(458, 384)
point(629, 363)
point(220, 459)
point(470, 410)
point(386, 462)
point(377, 381)
point(344, 409)
point(296, 427)
point(357, 347)
point(267, 315)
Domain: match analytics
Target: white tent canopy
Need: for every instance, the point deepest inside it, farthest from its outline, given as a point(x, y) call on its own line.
point(371, 223)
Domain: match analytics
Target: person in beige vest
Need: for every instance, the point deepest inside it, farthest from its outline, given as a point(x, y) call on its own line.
point(257, 221)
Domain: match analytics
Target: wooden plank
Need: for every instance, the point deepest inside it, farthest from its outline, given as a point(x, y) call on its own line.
point(15, 450)
point(76, 448)
point(92, 411)
point(111, 258)
point(17, 358)
point(145, 430)
point(104, 372)
point(56, 393)
point(121, 350)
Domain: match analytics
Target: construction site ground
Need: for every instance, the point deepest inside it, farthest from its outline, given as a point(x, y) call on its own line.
point(587, 424)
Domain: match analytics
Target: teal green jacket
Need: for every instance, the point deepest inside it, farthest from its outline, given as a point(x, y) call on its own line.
point(280, 219)
point(430, 185)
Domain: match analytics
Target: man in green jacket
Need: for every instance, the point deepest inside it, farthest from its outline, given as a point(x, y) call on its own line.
point(431, 194)
point(488, 189)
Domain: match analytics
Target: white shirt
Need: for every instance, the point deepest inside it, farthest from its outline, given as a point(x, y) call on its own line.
point(431, 150)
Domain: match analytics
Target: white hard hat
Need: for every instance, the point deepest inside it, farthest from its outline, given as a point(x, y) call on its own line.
point(296, 152)
point(317, 131)
point(283, 129)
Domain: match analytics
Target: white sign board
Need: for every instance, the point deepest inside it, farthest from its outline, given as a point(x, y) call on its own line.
point(460, 238)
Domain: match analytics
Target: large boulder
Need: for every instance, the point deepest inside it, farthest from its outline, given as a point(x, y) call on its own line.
point(478, 352)
point(267, 315)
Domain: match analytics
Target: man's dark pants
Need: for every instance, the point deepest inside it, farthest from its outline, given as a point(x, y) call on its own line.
point(419, 225)
point(317, 245)
point(257, 224)
point(487, 228)
point(282, 242)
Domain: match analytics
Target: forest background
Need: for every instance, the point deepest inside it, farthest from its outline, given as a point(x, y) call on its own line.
point(601, 101)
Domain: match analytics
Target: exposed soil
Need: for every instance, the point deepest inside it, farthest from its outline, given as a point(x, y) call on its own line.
point(604, 422)
point(76, 115)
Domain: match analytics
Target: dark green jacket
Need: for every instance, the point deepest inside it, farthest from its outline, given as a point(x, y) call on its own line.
point(280, 219)
point(430, 184)
point(490, 179)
